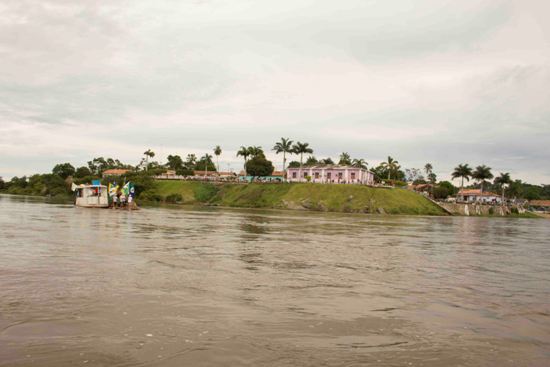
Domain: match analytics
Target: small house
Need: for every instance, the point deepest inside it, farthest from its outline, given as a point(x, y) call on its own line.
point(475, 196)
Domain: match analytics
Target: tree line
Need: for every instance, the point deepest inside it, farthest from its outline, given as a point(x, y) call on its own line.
point(256, 164)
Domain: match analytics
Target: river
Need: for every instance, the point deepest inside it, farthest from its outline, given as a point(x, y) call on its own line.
point(236, 287)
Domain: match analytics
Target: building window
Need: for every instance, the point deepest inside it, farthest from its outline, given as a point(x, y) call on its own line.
point(353, 175)
point(305, 174)
point(316, 175)
point(329, 175)
point(293, 174)
point(339, 175)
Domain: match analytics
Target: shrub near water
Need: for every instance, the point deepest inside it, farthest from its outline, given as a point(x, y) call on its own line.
point(174, 198)
point(151, 196)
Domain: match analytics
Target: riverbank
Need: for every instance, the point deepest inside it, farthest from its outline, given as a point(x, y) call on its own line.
point(314, 197)
point(297, 196)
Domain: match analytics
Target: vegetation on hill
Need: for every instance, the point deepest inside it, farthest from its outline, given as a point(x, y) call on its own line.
point(334, 198)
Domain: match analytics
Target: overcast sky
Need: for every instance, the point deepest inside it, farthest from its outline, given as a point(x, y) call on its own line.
point(440, 81)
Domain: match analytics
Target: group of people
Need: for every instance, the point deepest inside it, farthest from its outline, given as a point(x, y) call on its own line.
point(121, 197)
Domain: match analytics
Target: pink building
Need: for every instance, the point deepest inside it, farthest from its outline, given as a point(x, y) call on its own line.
point(331, 174)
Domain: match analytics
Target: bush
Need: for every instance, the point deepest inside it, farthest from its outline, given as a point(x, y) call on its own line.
point(396, 183)
point(491, 211)
point(150, 195)
point(441, 192)
point(174, 198)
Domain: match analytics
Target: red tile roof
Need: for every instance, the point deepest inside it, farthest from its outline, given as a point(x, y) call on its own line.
point(115, 172)
point(540, 203)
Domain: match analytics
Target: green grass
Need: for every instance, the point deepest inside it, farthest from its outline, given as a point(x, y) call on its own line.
point(191, 192)
point(306, 196)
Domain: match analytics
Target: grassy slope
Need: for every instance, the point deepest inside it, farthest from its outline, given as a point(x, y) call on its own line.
point(337, 198)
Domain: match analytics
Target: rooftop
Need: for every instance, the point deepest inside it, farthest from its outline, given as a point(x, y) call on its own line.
point(115, 171)
point(476, 192)
point(540, 203)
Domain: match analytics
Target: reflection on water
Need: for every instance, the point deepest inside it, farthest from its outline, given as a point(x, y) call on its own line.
point(205, 287)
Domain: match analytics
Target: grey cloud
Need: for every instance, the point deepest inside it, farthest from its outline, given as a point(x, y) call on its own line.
point(439, 81)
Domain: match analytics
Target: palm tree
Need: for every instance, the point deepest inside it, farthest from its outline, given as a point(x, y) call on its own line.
point(502, 180)
point(243, 152)
point(255, 151)
point(481, 174)
point(428, 168)
point(345, 159)
point(359, 163)
point(301, 148)
point(217, 152)
point(462, 171)
point(391, 165)
point(148, 154)
point(284, 146)
point(207, 158)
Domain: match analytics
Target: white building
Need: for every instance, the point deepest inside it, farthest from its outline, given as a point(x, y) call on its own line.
point(475, 196)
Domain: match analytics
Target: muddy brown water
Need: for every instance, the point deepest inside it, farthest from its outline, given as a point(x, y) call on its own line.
point(221, 287)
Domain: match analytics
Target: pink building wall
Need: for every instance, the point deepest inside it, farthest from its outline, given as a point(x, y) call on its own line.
point(334, 174)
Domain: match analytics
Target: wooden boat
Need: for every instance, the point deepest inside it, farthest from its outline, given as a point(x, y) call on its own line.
point(91, 196)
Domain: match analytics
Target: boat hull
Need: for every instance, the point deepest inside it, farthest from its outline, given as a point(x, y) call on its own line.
point(92, 205)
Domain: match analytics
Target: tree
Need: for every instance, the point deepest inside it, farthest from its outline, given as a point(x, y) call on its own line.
point(301, 148)
point(501, 181)
point(259, 166)
point(243, 152)
point(326, 161)
point(190, 161)
point(294, 164)
point(391, 165)
point(284, 146)
point(255, 151)
point(428, 168)
point(63, 170)
point(311, 161)
point(462, 171)
point(531, 193)
point(148, 154)
point(2, 184)
point(359, 163)
point(414, 175)
point(443, 190)
point(481, 174)
point(217, 152)
point(97, 165)
point(345, 159)
point(205, 164)
point(174, 162)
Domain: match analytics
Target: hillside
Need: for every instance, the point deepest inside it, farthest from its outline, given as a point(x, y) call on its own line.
point(333, 198)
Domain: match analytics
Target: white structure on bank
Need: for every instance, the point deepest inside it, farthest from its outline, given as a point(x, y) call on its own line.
point(331, 174)
point(475, 196)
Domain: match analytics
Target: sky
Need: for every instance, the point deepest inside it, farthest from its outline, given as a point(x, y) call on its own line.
point(439, 81)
